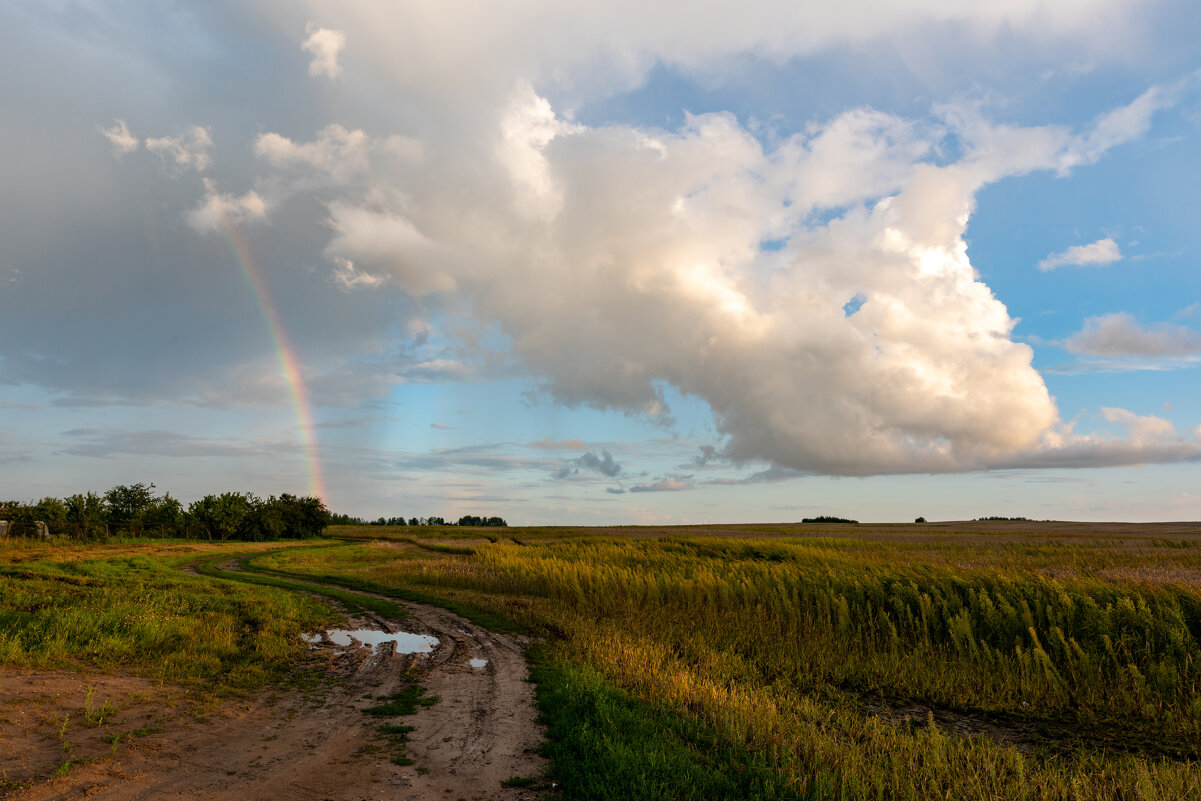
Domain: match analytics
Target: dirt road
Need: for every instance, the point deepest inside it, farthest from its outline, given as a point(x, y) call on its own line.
point(311, 745)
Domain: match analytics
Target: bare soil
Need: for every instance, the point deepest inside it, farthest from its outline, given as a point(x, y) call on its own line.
point(316, 744)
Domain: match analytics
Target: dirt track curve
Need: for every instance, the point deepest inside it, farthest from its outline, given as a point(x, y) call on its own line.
point(319, 744)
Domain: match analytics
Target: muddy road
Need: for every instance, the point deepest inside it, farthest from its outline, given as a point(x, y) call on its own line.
point(316, 744)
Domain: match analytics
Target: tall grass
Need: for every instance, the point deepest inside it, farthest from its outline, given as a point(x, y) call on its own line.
point(785, 645)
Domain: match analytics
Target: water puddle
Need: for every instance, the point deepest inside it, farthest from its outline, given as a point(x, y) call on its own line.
point(478, 663)
point(406, 643)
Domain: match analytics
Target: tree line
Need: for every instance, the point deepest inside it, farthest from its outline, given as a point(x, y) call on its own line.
point(135, 510)
point(465, 520)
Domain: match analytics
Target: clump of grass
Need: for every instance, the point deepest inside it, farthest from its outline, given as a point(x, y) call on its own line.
point(405, 702)
point(96, 715)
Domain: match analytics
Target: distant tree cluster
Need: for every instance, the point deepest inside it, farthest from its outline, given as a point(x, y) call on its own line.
point(135, 510)
point(829, 519)
point(465, 520)
point(1011, 519)
point(472, 520)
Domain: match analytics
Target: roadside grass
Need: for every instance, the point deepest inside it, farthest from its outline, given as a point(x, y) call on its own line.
point(331, 567)
point(781, 648)
point(605, 743)
point(127, 607)
point(353, 603)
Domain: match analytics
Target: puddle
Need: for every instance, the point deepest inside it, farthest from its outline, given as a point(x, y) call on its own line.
point(406, 643)
point(478, 663)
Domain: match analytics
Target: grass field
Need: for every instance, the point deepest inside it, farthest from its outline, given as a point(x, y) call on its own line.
point(969, 661)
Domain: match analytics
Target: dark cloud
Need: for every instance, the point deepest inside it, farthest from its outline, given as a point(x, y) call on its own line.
point(589, 462)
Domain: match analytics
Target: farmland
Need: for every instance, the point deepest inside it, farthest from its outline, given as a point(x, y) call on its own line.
point(977, 660)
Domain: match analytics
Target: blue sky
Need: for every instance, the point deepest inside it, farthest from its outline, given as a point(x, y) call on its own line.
point(762, 262)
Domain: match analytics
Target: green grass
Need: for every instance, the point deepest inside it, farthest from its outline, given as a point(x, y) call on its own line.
point(331, 566)
point(405, 702)
point(247, 573)
point(135, 611)
point(604, 743)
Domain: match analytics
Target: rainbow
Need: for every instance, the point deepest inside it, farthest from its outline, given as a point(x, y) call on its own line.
point(289, 364)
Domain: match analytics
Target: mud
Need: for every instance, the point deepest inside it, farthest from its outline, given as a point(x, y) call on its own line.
point(304, 745)
point(1031, 735)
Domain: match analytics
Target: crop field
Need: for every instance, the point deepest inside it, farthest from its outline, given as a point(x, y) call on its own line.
point(971, 661)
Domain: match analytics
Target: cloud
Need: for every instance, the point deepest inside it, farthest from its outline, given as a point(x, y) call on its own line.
point(122, 140)
point(219, 209)
point(614, 259)
point(769, 475)
point(603, 464)
point(108, 443)
point(348, 277)
point(1119, 335)
point(188, 151)
point(1103, 251)
point(1142, 440)
point(664, 485)
point(441, 427)
point(324, 45)
point(617, 259)
point(19, 405)
point(472, 458)
point(338, 155)
point(392, 244)
point(555, 444)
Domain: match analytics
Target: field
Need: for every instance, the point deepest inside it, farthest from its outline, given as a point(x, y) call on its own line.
point(970, 661)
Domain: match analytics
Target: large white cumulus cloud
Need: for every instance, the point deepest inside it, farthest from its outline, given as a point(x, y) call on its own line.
point(617, 257)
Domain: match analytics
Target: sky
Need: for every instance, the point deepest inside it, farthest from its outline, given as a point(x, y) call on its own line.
point(606, 263)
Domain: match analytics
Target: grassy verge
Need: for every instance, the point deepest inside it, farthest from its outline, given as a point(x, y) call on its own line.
point(351, 602)
point(128, 607)
point(604, 743)
point(328, 566)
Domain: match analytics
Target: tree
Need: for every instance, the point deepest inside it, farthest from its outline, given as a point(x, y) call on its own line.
point(53, 513)
point(128, 505)
point(86, 514)
point(167, 515)
point(220, 516)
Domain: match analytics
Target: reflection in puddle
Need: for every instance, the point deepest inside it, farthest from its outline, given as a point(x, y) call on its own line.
point(478, 663)
point(406, 643)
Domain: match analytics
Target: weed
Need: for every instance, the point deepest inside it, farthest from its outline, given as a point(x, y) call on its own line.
point(95, 716)
point(404, 702)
